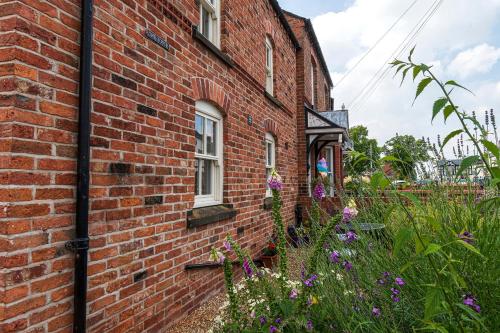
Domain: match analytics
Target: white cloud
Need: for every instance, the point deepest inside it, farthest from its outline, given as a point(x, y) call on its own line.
point(458, 25)
point(477, 60)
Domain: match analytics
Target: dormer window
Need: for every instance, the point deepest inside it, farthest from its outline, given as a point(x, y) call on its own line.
point(210, 20)
point(269, 66)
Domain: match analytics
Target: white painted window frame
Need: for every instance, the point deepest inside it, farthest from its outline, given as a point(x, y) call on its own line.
point(270, 165)
point(208, 111)
point(269, 67)
point(330, 150)
point(213, 9)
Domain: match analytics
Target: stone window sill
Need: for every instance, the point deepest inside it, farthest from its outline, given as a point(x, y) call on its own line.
point(208, 215)
point(273, 99)
point(209, 45)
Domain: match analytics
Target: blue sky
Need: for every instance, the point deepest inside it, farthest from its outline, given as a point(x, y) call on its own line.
point(462, 41)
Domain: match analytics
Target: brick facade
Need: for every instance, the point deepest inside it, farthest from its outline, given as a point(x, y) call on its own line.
point(142, 155)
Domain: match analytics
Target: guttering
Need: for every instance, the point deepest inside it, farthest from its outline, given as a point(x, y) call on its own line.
point(80, 245)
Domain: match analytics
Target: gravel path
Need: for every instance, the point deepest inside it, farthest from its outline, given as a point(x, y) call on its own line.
point(201, 319)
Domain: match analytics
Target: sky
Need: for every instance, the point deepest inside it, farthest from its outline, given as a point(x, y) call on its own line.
point(461, 40)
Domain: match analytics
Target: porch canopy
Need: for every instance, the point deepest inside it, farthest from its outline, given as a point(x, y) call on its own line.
point(326, 128)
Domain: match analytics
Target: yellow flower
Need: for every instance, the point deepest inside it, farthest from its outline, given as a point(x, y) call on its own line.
point(314, 300)
point(351, 204)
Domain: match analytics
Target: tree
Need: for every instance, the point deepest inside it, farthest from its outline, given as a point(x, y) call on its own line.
point(409, 151)
point(362, 144)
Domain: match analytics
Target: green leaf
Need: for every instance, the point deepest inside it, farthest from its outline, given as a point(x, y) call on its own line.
point(492, 148)
point(416, 70)
point(412, 197)
point(390, 158)
point(448, 110)
point(451, 136)
point(438, 106)
point(411, 52)
point(495, 172)
point(453, 83)
point(399, 68)
point(469, 247)
point(421, 86)
point(406, 266)
point(432, 248)
point(396, 62)
point(433, 299)
point(402, 238)
point(404, 75)
point(466, 163)
point(420, 245)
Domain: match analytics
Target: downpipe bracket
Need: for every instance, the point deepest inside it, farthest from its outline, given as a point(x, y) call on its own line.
point(77, 244)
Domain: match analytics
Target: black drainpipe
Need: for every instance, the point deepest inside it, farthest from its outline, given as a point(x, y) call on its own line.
point(80, 245)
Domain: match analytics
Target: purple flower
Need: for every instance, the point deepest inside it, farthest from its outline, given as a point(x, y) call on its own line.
point(466, 237)
point(227, 245)
point(470, 301)
point(262, 320)
point(278, 320)
point(395, 291)
point(376, 312)
point(347, 265)
point(310, 282)
point(319, 192)
point(335, 257)
point(399, 281)
point(386, 274)
point(246, 267)
point(309, 325)
point(294, 294)
point(351, 236)
point(381, 281)
point(273, 329)
point(346, 215)
point(275, 182)
point(395, 299)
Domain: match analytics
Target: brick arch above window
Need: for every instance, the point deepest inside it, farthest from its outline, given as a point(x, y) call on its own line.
point(271, 127)
point(206, 89)
point(269, 28)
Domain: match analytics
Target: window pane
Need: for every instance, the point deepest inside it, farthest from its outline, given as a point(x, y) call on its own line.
point(268, 56)
point(269, 153)
point(206, 177)
point(205, 22)
point(199, 134)
point(197, 177)
point(211, 137)
point(268, 174)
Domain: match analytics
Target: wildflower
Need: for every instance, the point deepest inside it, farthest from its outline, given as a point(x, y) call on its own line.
point(348, 214)
point(466, 237)
point(227, 245)
point(217, 256)
point(312, 300)
point(246, 267)
point(386, 274)
point(278, 320)
point(252, 314)
point(310, 282)
point(470, 301)
point(319, 192)
point(335, 257)
point(399, 281)
point(395, 291)
point(275, 182)
point(352, 204)
point(309, 325)
point(262, 320)
point(395, 298)
point(294, 294)
point(351, 236)
point(273, 329)
point(347, 265)
point(376, 312)
point(381, 281)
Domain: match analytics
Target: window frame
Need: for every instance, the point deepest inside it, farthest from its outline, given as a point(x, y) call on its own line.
point(209, 112)
point(214, 20)
point(269, 65)
point(270, 166)
point(329, 152)
point(313, 84)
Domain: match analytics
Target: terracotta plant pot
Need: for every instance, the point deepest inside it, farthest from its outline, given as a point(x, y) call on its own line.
point(270, 261)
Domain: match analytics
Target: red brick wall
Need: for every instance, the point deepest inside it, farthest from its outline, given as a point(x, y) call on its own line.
point(143, 115)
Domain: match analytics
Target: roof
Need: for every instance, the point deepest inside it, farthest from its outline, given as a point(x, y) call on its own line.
point(314, 40)
point(284, 22)
point(340, 117)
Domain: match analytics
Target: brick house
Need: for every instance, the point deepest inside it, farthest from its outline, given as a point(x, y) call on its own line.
point(141, 150)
